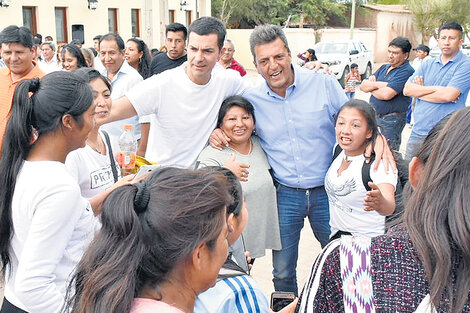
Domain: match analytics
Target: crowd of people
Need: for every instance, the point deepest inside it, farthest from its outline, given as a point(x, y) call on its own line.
point(242, 165)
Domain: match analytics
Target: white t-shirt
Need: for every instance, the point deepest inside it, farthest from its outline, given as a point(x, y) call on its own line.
point(91, 170)
point(346, 195)
point(52, 226)
point(186, 113)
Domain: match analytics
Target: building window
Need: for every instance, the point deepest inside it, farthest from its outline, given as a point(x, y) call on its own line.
point(135, 22)
point(189, 18)
point(112, 20)
point(29, 18)
point(171, 16)
point(61, 25)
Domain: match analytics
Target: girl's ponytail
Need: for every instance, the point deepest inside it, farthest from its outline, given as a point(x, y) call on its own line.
point(17, 143)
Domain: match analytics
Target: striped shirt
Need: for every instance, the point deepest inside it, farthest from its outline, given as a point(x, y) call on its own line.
point(238, 294)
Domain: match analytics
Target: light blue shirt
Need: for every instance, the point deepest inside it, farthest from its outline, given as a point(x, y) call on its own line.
point(297, 132)
point(455, 73)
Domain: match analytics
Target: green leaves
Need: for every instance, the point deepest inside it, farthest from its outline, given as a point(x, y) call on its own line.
point(249, 13)
point(429, 15)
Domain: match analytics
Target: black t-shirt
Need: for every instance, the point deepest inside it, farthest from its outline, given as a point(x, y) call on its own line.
point(161, 62)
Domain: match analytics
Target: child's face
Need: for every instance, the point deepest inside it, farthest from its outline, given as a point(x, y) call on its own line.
point(355, 70)
point(352, 131)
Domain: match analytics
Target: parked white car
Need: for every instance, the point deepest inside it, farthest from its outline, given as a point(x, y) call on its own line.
point(435, 51)
point(341, 54)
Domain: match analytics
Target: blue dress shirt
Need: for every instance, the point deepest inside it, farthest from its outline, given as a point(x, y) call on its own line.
point(455, 73)
point(297, 131)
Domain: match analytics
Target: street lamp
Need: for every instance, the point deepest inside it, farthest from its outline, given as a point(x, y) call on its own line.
point(4, 3)
point(92, 4)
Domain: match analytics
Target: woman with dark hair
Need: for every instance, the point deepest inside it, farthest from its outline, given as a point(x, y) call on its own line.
point(94, 166)
point(89, 56)
point(45, 223)
point(422, 264)
point(138, 56)
point(72, 58)
point(246, 159)
point(162, 242)
point(357, 207)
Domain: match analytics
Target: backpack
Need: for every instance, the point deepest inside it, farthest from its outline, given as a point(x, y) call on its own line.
point(402, 167)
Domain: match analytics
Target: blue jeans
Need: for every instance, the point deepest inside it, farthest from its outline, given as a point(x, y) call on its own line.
point(293, 206)
point(350, 95)
point(413, 145)
point(392, 126)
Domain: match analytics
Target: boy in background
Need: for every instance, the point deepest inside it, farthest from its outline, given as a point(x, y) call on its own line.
point(352, 80)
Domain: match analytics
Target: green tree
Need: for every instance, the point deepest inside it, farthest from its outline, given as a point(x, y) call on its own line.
point(316, 12)
point(430, 14)
point(249, 13)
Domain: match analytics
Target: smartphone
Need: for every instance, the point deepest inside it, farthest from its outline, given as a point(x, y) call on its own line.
point(145, 170)
point(280, 299)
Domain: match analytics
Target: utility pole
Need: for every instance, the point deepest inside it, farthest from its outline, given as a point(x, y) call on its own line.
point(353, 18)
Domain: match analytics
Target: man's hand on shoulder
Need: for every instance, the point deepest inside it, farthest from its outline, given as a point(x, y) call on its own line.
point(318, 66)
point(218, 140)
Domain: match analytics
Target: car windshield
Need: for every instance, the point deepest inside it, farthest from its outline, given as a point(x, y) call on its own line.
point(332, 47)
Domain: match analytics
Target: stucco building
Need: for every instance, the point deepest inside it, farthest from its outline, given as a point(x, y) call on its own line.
point(65, 20)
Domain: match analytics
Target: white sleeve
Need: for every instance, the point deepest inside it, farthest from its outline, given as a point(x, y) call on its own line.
point(380, 177)
point(146, 96)
point(51, 228)
point(145, 119)
point(72, 163)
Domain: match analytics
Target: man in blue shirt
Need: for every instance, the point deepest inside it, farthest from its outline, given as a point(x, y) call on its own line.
point(386, 88)
point(295, 110)
point(441, 85)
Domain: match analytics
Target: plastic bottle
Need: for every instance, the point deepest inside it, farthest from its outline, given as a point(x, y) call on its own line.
point(127, 153)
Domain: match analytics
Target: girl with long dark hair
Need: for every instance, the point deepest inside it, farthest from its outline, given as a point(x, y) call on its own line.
point(162, 242)
point(45, 224)
point(421, 265)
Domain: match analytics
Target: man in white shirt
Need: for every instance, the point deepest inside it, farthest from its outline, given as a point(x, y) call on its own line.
point(122, 77)
point(186, 99)
point(422, 54)
point(49, 62)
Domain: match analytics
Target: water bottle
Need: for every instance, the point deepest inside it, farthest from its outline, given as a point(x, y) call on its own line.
point(128, 149)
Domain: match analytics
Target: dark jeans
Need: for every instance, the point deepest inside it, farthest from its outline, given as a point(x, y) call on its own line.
point(413, 145)
point(293, 206)
point(7, 307)
point(392, 126)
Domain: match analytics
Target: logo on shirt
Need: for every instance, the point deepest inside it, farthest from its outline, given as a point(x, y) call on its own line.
point(101, 177)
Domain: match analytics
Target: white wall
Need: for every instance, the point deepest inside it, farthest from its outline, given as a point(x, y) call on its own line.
point(154, 16)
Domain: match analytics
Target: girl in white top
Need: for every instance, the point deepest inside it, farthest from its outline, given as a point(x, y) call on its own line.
point(91, 165)
point(45, 223)
point(353, 209)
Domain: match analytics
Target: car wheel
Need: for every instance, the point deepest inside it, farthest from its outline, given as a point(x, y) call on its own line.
point(368, 72)
point(342, 80)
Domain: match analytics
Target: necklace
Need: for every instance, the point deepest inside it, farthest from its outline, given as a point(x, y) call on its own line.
point(250, 149)
point(99, 147)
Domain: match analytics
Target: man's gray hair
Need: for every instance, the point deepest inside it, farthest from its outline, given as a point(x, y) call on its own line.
point(50, 44)
point(230, 42)
point(265, 34)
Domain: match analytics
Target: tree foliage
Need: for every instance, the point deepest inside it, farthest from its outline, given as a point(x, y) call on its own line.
point(249, 13)
point(429, 15)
